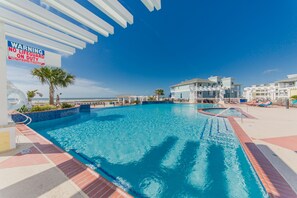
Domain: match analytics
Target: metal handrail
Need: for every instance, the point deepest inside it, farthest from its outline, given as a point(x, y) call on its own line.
point(27, 118)
point(221, 112)
point(241, 114)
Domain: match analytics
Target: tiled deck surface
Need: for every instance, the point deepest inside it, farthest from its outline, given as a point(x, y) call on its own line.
point(288, 142)
point(21, 159)
point(86, 182)
point(275, 185)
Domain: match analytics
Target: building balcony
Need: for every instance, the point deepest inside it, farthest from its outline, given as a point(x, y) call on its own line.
point(287, 85)
point(207, 88)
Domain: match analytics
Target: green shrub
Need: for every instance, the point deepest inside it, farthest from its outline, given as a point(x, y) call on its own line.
point(43, 108)
point(136, 102)
point(151, 98)
point(23, 109)
point(294, 97)
point(65, 105)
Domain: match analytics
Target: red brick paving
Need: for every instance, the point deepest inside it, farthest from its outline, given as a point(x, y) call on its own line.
point(288, 142)
point(33, 157)
point(90, 182)
point(275, 185)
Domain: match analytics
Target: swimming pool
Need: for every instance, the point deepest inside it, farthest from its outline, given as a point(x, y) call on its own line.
point(158, 150)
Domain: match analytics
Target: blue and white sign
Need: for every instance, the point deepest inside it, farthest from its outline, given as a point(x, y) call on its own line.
point(25, 53)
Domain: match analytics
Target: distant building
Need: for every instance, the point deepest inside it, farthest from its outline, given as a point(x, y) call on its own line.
point(213, 87)
point(278, 90)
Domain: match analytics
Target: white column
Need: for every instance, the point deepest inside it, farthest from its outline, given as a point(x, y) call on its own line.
point(3, 77)
point(222, 92)
point(7, 132)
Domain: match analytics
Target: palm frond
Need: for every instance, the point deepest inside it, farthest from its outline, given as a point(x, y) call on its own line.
point(53, 76)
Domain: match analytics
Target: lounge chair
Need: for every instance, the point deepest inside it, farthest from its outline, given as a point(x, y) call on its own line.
point(266, 104)
point(253, 103)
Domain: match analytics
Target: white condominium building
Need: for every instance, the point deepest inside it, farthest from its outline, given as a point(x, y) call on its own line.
point(211, 88)
point(281, 89)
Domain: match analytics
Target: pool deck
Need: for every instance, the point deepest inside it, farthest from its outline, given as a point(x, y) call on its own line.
point(38, 168)
point(270, 142)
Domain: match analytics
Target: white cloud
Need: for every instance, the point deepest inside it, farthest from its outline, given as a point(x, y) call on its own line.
point(83, 88)
point(268, 71)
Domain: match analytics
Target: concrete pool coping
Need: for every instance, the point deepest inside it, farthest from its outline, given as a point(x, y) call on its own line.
point(86, 181)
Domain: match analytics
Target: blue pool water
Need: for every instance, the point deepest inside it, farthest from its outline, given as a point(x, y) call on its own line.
point(165, 150)
point(225, 112)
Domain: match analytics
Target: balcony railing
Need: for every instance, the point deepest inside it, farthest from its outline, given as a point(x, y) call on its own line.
point(200, 88)
point(286, 86)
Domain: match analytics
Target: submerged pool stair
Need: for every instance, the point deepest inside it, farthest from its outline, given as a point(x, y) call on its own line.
point(217, 131)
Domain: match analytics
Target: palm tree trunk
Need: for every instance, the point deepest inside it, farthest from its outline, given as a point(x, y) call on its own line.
point(51, 94)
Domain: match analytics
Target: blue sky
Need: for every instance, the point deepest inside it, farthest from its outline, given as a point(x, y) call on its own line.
point(251, 40)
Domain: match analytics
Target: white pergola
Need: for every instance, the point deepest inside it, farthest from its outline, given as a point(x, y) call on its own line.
point(123, 98)
point(32, 23)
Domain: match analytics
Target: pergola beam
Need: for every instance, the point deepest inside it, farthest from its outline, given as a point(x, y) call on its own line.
point(119, 8)
point(82, 15)
point(114, 10)
point(152, 4)
point(46, 17)
point(157, 4)
point(13, 19)
point(38, 40)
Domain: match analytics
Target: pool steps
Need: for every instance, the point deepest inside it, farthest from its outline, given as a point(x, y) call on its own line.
point(217, 131)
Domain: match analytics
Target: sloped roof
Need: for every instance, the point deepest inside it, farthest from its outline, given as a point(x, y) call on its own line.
point(195, 80)
point(288, 80)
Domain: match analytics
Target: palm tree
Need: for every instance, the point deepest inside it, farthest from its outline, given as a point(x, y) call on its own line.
point(32, 94)
point(54, 78)
point(159, 92)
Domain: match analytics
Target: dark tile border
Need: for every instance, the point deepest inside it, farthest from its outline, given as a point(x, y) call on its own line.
point(46, 115)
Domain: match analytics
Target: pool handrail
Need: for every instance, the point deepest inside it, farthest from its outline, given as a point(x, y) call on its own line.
point(27, 118)
point(218, 114)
